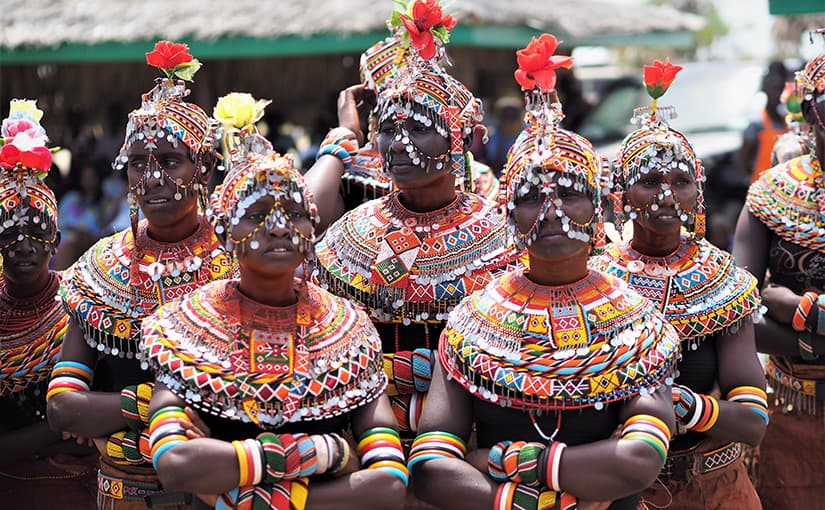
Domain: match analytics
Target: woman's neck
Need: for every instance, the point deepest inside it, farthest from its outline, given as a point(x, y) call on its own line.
point(174, 233)
point(555, 273)
point(29, 288)
point(268, 290)
point(654, 244)
point(429, 199)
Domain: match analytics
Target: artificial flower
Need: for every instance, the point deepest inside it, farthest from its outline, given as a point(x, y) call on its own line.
point(30, 151)
point(38, 158)
point(424, 21)
point(9, 156)
point(22, 108)
point(174, 60)
point(537, 64)
point(659, 77)
point(239, 109)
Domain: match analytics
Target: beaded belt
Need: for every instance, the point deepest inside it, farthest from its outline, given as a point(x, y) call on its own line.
point(683, 467)
point(130, 490)
point(808, 387)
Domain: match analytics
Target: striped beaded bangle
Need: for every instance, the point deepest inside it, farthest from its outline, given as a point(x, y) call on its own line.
point(504, 496)
point(298, 493)
point(553, 465)
point(709, 415)
point(753, 398)
point(800, 316)
point(166, 432)
point(820, 316)
point(648, 429)
point(134, 404)
point(69, 376)
point(341, 143)
point(275, 457)
point(436, 445)
point(391, 455)
point(805, 345)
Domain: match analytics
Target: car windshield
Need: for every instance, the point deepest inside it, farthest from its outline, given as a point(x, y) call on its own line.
point(708, 96)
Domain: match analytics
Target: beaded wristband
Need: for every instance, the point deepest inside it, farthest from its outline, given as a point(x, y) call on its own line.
point(403, 373)
point(298, 493)
point(510, 461)
point(134, 404)
point(114, 448)
point(684, 402)
point(553, 465)
point(166, 432)
point(69, 376)
point(391, 456)
point(422, 369)
point(341, 143)
point(250, 461)
point(504, 496)
point(275, 456)
point(751, 397)
point(648, 429)
point(800, 316)
point(436, 445)
point(709, 415)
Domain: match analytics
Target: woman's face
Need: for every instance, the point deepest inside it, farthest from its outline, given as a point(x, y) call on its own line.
point(152, 178)
point(662, 199)
point(415, 154)
point(26, 259)
point(268, 248)
point(552, 242)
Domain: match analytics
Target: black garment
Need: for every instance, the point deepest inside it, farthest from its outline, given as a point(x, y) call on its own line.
point(410, 337)
point(697, 370)
point(112, 374)
point(23, 408)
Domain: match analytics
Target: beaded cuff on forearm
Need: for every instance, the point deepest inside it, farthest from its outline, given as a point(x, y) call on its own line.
point(518, 496)
point(134, 404)
point(436, 445)
point(69, 376)
point(380, 448)
point(751, 397)
point(166, 431)
point(341, 143)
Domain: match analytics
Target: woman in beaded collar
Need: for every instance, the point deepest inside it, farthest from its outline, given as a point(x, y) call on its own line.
point(168, 155)
point(782, 231)
point(410, 256)
point(547, 363)
point(35, 470)
point(298, 360)
point(708, 299)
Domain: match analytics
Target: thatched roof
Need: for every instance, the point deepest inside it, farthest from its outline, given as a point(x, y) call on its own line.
point(51, 23)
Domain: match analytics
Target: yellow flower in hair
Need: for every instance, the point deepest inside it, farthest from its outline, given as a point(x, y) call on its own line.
point(239, 109)
point(25, 105)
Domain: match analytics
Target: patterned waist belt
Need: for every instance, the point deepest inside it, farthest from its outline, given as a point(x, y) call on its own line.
point(683, 467)
point(129, 490)
point(808, 387)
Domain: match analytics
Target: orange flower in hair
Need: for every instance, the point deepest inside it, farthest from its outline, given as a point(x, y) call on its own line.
point(659, 77)
point(537, 64)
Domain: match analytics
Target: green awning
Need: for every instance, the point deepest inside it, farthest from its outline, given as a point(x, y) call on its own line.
point(479, 36)
point(796, 6)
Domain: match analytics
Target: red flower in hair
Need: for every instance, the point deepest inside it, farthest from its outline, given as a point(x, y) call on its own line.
point(537, 64)
point(659, 77)
point(9, 156)
point(38, 158)
point(26, 150)
point(424, 21)
point(173, 59)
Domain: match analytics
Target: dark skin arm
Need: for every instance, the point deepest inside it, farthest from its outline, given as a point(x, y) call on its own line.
point(738, 366)
point(89, 413)
point(449, 408)
point(190, 466)
point(324, 178)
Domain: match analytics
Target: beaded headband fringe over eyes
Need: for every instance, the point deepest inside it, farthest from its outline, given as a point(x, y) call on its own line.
point(255, 171)
point(419, 88)
point(24, 164)
point(547, 156)
point(164, 115)
point(656, 147)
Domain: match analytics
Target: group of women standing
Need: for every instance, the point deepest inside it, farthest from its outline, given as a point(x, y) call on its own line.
point(275, 345)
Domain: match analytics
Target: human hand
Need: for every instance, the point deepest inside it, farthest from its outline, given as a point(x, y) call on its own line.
point(197, 428)
point(781, 302)
point(349, 101)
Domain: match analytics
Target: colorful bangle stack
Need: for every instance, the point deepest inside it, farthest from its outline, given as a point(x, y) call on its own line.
point(380, 448)
point(552, 465)
point(707, 412)
point(251, 462)
point(519, 462)
point(134, 404)
point(166, 432)
point(291, 494)
point(684, 402)
point(288, 457)
point(436, 445)
point(803, 309)
point(341, 143)
point(124, 447)
point(753, 398)
point(69, 376)
point(653, 431)
point(407, 410)
point(517, 496)
point(410, 371)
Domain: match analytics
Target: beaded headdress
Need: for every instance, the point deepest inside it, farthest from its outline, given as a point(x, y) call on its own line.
point(655, 146)
point(255, 170)
point(444, 102)
point(163, 114)
point(811, 80)
point(25, 161)
point(545, 155)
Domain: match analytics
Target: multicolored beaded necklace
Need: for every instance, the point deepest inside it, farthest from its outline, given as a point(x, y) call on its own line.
point(699, 288)
point(235, 358)
point(537, 348)
point(118, 282)
point(31, 334)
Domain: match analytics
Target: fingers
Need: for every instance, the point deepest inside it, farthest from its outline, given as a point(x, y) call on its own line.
point(197, 426)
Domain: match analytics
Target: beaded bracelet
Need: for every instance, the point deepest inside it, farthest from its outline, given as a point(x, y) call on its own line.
point(298, 493)
point(515, 496)
point(166, 432)
point(800, 316)
point(69, 376)
point(436, 445)
point(553, 465)
point(753, 398)
point(341, 143)
point(650, 430)
point(390, 458)
point(806, 346)
point(684, 402)
point(134, 404)
point(274, 495)
point(820, 316)
point(709, 415)
point(250, 461)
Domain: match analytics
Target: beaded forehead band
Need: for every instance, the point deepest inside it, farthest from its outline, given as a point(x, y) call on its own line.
point(546, 156)
point(656, 148)
point(164, 115)
point(419, 88)
point(25, 161)
point(255, 171)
